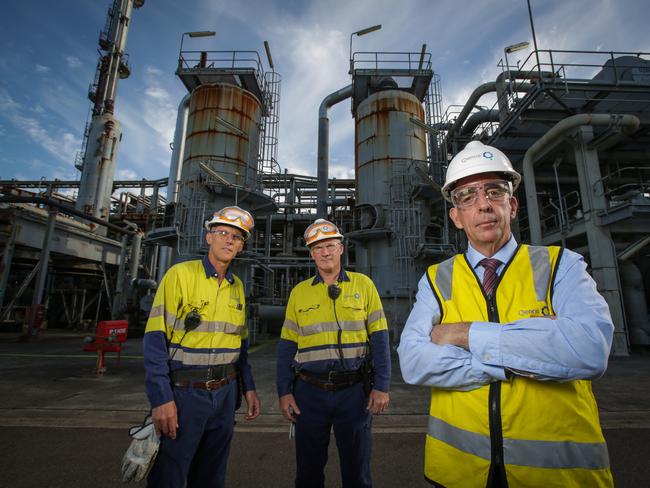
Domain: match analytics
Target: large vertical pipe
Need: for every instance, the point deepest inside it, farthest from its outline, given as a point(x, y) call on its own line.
point(178, 148)
point(323, 147)
point(135, 255)
point(118, 298)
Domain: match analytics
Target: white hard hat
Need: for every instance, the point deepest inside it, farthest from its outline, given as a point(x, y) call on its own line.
point(477, 158)
point(320, 230)
point(233, 216)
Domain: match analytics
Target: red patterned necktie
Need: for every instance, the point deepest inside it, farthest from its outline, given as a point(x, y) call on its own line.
point(490, 276)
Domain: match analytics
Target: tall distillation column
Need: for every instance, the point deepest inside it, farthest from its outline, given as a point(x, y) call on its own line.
point(389, 222)
point(103, 133)
point(224, 139)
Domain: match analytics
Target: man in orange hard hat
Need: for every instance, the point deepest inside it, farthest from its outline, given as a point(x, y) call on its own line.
point(333, 367)
point(195, 350)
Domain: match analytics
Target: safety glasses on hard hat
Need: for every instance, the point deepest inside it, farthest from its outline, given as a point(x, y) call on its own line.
point(495, 192)
point(233, 215)
point(323, 229)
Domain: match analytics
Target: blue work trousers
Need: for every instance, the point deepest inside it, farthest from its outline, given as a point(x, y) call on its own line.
point(199, 454)
point(320, 410)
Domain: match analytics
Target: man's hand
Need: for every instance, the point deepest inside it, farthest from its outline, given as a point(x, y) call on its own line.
point(165, 419)
point(289, 407)
point(254, 406)
point(456, 334)
point(378, 402)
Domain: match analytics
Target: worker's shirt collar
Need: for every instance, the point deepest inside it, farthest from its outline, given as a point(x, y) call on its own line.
point(210, 272)
point(504, 254)
point(343, 276)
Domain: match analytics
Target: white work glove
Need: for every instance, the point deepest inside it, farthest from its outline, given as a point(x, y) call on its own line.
point(141, 454)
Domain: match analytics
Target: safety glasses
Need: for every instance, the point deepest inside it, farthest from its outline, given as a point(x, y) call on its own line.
point(224, 234)
point(495, 192)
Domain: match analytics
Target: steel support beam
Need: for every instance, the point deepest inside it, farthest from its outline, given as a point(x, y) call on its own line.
point(602, 253)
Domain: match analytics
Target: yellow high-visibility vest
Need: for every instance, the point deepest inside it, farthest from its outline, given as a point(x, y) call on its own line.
point(217, 340)
point(310, 320)
point(543, 433)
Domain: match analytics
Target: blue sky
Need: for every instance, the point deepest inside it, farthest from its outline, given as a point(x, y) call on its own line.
point(50, 54)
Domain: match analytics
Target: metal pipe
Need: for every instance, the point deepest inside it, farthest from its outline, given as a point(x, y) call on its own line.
point(634, 249)
point(629, 124)
point(178, 148)
point(478, 118)
point(323, 146)
point(118, 298)
point(65, 209)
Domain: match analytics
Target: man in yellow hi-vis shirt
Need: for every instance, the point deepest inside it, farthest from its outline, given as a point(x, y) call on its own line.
point(333, 365)
point(194, 349)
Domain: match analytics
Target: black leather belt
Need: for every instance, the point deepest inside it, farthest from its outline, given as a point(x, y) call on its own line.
point(209, 385)
point(210, 379)
point(331, 381)
point(203, 374)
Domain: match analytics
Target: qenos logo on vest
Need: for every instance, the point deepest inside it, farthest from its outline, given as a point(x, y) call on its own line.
point(535, 312)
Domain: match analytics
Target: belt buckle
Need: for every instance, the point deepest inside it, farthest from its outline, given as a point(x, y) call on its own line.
point(330, 376)
point(212, 384)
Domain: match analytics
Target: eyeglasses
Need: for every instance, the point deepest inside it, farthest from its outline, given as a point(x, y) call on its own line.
point(224, 234)
point(495, 192)
point(330, 248)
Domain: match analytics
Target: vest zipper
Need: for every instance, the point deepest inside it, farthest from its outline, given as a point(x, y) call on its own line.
point(497, 474)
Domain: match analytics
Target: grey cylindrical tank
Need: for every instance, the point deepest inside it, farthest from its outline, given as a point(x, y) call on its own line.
point(384, 133)
point(387, 142)
point(223, 129)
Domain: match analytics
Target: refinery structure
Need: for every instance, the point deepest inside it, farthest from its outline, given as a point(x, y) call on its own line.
point(576, 125)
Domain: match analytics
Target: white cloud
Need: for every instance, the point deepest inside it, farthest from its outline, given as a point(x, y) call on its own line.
point(39, 68)
point(73, 61)
point(62, 145)
point(125, 174)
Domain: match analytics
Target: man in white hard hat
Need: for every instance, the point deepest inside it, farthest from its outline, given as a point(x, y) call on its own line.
point(195, 352)
point(508, 337)
point(333, 368)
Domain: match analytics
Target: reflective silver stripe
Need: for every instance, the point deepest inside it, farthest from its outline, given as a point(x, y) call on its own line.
point(331, 353)
point(443, 278)
point(556, 455)
point(461, 439)
point(191, 358)
point(206, 326)
point(169, 318)
point(225, 327)
point(291, 325)
point(375, 316)
point(346, 325)
point(156, 311)
point(541, 266)
point(538, 454)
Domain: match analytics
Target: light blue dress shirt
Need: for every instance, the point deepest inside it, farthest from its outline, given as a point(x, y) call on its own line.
point(574, 345)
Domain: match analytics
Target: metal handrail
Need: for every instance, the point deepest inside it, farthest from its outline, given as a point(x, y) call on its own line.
point(392, 60)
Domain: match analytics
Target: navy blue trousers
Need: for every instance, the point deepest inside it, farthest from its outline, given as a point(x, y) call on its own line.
point(345, 411)
point(199, 454)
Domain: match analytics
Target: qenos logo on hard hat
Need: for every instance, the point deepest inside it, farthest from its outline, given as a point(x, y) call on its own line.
point(488, 155)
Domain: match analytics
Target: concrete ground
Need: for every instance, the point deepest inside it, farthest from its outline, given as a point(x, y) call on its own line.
point(63, 426)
